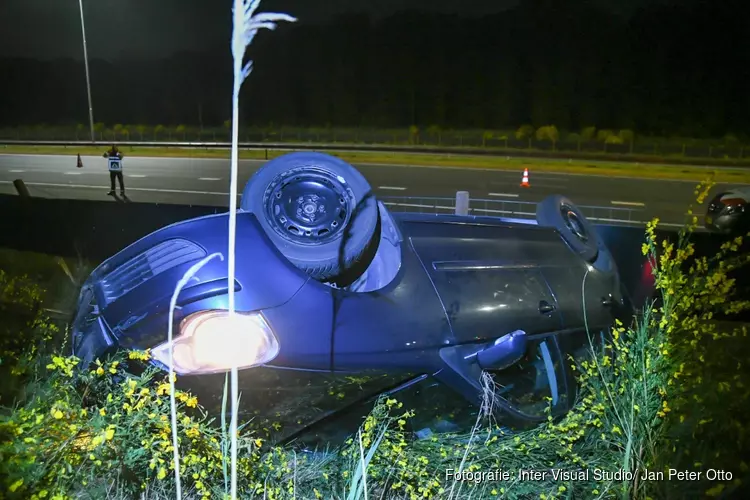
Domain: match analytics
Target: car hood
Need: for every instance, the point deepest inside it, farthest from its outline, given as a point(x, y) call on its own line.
point(133, 288)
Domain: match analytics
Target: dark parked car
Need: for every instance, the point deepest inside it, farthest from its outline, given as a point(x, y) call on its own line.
point(340, 301)
point(729, 212)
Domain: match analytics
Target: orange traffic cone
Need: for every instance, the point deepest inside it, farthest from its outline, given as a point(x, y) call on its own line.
point(79, 163)
point(525, 179)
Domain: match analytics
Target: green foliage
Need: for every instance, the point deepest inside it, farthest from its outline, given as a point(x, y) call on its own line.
point(626, 135)
point(435, 132)
point(731, 139)
point(613, 139)
point(603, 135)
point(141, 129)
point(708, 392)
point(413, 134)
point(573, 137)
point(181, 129)
point(667, 391)
point(524, 132)
point(588, 133)
point(548, 133)
point(486, 136)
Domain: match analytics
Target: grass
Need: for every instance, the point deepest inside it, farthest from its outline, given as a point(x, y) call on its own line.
point(57, 277)
point(577, 166)
point(667, 392)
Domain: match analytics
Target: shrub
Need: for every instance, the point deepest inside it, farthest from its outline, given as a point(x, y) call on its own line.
point(588, 133)
point(573, 137)
point(656, 396)
point(548, 133)
point(524, 132)
point(603, 135)
point(626, 135)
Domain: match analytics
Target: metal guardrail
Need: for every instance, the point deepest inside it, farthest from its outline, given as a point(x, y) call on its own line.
point(149, 144)
point(506, 208)
point(382, 148)
point(274, 146)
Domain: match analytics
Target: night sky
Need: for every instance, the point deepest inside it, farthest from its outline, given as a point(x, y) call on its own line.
point(157, 28)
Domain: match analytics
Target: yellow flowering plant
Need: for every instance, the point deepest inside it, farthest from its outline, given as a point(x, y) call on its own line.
point(667, 390)
point(706, 396)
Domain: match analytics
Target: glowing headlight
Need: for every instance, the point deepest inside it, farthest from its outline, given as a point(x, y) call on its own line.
point(214, 341)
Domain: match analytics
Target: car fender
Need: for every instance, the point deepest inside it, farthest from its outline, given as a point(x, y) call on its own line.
point(133, 288)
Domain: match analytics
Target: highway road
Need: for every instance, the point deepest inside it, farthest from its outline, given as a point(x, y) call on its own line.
point(206, 182)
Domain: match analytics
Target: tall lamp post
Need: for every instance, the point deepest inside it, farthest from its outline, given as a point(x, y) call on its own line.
point(88, 80)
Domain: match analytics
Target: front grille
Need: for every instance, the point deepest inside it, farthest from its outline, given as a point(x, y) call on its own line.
point(146, 265)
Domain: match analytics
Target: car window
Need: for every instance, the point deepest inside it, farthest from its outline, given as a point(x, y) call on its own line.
point(529, 385)
point(437, 409)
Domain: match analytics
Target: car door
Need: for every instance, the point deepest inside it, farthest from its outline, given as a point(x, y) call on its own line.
point(586, 297)
point(534, 387)
point(489, 278)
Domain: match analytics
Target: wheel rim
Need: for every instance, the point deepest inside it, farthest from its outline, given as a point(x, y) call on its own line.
point(574, 223)
point(308, 205)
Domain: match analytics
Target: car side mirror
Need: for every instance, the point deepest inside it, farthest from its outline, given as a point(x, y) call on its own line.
point(504, 352)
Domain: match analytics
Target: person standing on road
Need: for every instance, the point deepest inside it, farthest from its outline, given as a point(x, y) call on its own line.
point(115, 169)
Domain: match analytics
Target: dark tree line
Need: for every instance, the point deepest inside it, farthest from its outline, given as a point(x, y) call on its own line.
point(669, 70)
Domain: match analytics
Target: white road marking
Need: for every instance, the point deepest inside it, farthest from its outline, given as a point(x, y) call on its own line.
point(512, 212)
point(671, 224)
point(417, 205)
point(492, 211)
point(209, 178)
point(484, 169)
point(136, 175)
point(151, 190)
point(16, 171)
point(629, 203)
point(393, 188)
point(73, 173)
point(506, 195)
point(414, 205)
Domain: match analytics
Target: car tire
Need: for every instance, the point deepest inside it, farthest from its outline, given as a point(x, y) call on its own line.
point(562, 214)
point(320, 213)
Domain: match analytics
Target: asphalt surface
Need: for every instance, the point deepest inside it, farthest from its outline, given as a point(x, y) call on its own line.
point(206, 182)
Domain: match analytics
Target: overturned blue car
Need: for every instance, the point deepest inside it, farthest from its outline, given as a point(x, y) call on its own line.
point(339, 301)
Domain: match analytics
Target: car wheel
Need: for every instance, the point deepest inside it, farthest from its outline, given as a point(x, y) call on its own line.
point(562, 214)
point(320, 213)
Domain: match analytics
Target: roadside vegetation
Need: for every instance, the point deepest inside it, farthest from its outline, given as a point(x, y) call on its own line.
point(617, 168)
point(590, 140)
point(669, 392)
point(620, 153)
